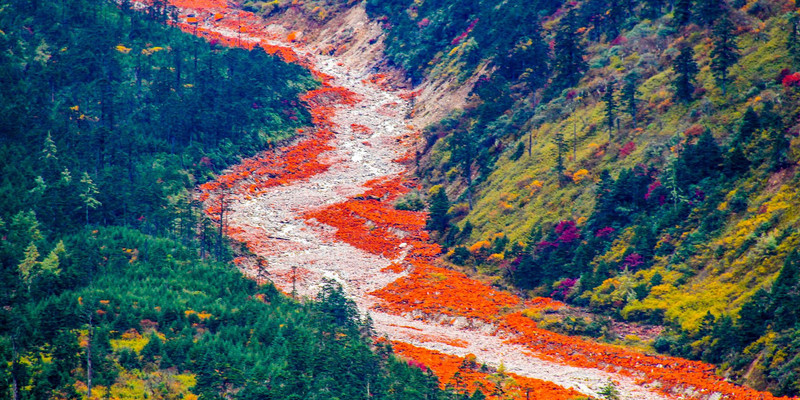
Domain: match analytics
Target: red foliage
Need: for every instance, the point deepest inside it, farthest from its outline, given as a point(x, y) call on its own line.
point(673, 375)
point(603, 232)
point(619, 40)
point(568, 231)
point(633, 260)
point(446, 366)
point(627, 149)
point(653, 186)
point(791, 80)
point(464, 34)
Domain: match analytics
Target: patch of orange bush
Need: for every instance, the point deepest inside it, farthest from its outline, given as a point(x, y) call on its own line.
point(673, 375)
point(445, 366)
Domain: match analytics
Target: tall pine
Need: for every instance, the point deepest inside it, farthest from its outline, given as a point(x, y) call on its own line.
point(685, 72)
point(568, 64)
point(682, 12)
point(793, 39)
point(629, 92)
point(725, 53)
point(705, 12)
point(611, 107)
point(785, 294)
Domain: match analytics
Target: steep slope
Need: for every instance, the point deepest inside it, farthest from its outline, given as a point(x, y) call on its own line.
point(651, 175)
point(382, 255)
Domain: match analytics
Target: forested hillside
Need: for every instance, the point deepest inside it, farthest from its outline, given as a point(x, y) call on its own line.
point(112, 283)
point(637, 158)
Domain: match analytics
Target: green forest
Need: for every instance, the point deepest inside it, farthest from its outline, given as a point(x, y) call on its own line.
point(112, 283)
point(635, 158)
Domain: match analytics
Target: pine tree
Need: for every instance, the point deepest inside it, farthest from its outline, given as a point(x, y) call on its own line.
point(27, 268)
point(561, 149)
point(685, 71)
point(793, 39)
point(705, 12)
point(629, 92)
point(568, 64)
point(736, 160)
point(528, 60)
point(652, 8)
point(615, 17)
point(438, 204)
point(611, 107)
point(682, 12)
point(88, 195)
point(725, 52)
point(785, 295)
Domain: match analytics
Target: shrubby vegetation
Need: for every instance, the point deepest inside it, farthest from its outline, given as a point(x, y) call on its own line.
point(108, 281)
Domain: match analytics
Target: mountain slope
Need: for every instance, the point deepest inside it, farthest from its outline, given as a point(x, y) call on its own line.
point(611, 181)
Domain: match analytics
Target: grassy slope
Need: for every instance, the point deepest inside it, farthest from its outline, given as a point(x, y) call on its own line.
point(512, 203)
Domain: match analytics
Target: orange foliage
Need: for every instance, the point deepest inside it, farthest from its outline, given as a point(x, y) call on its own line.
point(445, 367)
point(673, 374)
point(435, 290)
point(439, 339)
point(364, 130)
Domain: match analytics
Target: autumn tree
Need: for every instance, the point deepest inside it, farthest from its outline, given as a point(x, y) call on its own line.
point(685, 72)
point(725, 53)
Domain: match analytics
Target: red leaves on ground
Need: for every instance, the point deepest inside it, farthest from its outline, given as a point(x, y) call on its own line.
point(434, 290)
point(445, 366)
point(364, 130)
point(674, 375)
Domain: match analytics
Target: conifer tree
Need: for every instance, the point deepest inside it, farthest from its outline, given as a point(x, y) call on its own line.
point(561, 149)
point(705, 12)
point(568, 64)
point(725, 52)
point(785, 295)
point(793, 39)
point(682, 12)
point(652, 8)
point(611, 107)
point(629, 91)
point(685, 72)
point(88, 195)
point(439, 205)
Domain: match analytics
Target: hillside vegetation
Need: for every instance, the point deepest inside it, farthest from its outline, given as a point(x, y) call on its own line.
point(635, 158)
point(112, 283)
